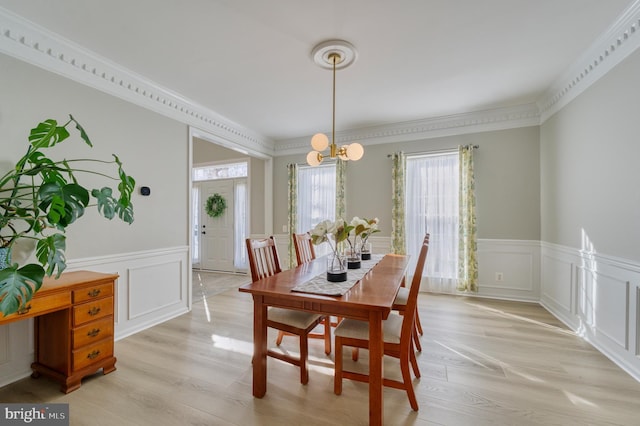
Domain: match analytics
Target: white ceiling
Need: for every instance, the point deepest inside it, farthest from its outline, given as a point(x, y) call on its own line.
point(249, 60)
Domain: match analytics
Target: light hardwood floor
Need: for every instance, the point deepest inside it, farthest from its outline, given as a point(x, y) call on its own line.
point(484, 362)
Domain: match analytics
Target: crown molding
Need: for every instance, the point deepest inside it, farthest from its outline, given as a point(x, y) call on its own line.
point(38, 46)
point(474, 122)
point(618, 42)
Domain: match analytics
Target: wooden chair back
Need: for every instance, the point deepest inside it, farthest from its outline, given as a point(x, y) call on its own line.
point(263, 258)
point(304, 248)
point(412, 300)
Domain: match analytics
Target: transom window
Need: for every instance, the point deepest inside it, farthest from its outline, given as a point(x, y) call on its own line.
point(220, 171)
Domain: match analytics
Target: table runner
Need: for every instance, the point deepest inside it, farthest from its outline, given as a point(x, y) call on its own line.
point(320, 285)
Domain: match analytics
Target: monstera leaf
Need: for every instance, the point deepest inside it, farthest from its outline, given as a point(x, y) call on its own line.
point(50, 252)
point(63, 204)
point(17, 286)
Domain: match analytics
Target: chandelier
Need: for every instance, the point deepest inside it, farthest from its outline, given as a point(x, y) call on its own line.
point(333, 54)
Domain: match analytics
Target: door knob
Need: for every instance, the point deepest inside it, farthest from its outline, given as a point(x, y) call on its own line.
point(204, 232)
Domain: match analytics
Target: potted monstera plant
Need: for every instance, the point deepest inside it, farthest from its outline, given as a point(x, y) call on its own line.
point(39, 199)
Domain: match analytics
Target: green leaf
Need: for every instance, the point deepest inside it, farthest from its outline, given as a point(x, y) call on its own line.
point(50, 253)
point(17, 286)
point(63, 204)
point(83, 134)
point(125, 213)
point(47, 134)
point(106, 203)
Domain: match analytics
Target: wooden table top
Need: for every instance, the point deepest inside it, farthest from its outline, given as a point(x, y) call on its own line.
point(375, 291)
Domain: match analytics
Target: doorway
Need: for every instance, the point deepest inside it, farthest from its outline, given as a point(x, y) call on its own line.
point(218, 237)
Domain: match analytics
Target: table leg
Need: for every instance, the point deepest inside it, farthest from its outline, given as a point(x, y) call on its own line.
point(259, 347)
point(376, 351)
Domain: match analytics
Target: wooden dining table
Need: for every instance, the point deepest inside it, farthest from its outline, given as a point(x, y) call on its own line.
point(370, 299)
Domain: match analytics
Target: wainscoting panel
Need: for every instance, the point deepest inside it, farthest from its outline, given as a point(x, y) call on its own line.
point(509, 269)
point(558, 269)
point(598, 298)
point(153, 287)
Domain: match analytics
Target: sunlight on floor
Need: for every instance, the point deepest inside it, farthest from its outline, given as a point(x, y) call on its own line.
point(231, 344)
point(576, 400)
point(449, 348)
point(525, 319)
point(321, 365)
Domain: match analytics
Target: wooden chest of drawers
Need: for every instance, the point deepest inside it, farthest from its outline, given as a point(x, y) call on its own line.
point(74, 327)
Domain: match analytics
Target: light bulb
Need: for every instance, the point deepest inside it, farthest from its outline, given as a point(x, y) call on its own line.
point(319, 142)
point(314, 158)
point(355, 151)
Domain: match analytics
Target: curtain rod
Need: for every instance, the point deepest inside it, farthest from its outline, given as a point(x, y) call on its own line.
point(435, 151)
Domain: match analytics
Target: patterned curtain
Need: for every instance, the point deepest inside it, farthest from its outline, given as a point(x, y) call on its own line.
point(292, 205)
point(467, 246)
point(341, 194)
point(398, 244)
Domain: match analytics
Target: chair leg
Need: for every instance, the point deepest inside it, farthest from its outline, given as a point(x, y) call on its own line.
point(279, 338)
point(304, 356)
point(416, 339)
point(327, 335)
point(418, 324)
point(414, 362)
point(408, 385)
point(337, 375)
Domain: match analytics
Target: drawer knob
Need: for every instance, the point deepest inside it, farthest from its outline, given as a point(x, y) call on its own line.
point(94, 354)
point(94, 311)
point(94, 293)
point(94, 332)
point(24, 310)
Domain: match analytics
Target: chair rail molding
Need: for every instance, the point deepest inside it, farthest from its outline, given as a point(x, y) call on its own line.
point(38, 46)
point(153, 286)
point(598, 297)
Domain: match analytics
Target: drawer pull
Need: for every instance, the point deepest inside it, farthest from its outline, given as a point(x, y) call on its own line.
point(24, 310)
point(94, 332)
point(93, 293)
point(94, 311)
point(94, 354)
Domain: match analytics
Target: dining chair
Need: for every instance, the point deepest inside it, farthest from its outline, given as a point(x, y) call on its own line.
point(398, 339)
point(304, 248)
point(264, 262)
point(400, 305)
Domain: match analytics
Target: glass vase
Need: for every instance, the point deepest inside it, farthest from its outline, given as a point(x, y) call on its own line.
point(365, 254)
point(353, 258)
point(336, 268)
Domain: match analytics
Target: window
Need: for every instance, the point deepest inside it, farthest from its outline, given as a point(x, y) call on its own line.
point(220, 171)
point(432, 206)
point(316, 195)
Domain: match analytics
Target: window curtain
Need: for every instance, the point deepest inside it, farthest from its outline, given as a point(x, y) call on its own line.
point(467, 245)
point(240, 225)
point(316, 199)
point(398, 244)
point(341, 193)
point(292, 205)
point(432, 181)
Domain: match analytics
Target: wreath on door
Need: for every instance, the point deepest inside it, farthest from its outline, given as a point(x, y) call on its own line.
point(216, 205)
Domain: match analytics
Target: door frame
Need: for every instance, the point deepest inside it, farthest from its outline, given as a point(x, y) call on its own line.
point(267, 189)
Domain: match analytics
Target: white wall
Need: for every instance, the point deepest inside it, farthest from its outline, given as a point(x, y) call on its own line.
point(151, 255)
point(590, 206)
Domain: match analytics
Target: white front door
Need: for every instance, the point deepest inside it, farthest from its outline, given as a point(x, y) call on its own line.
point(216, 233)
